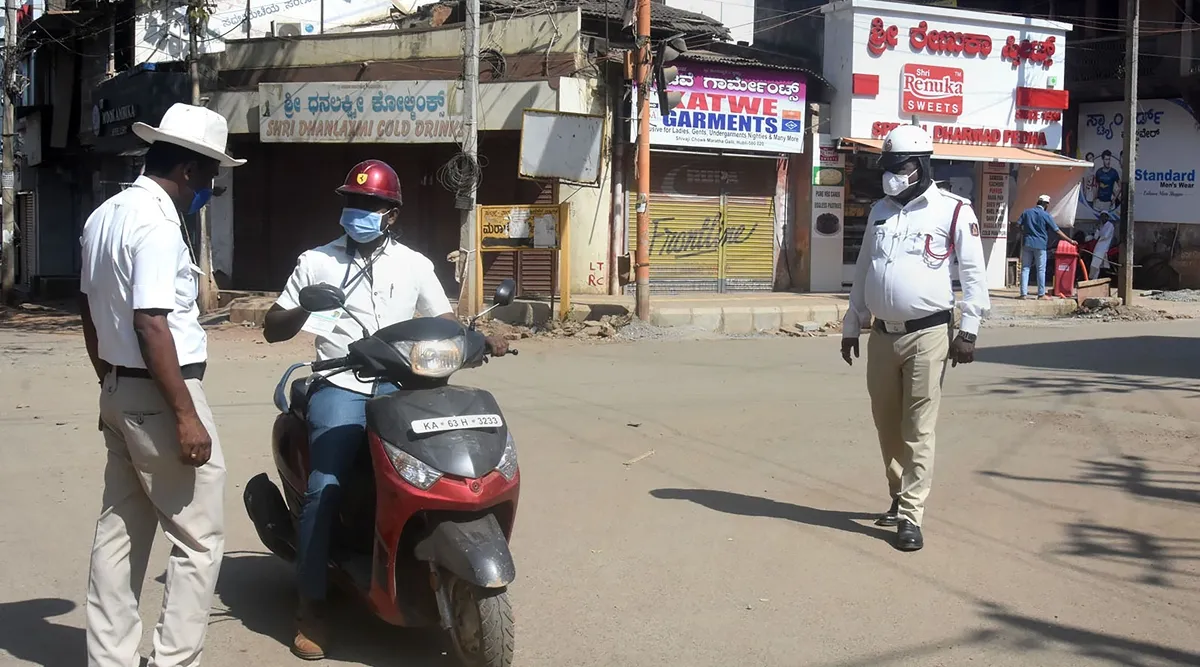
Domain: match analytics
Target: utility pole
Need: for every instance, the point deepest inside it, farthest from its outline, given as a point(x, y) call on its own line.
point(642, 252)
point(8, 255)
point(209, 299)
point(1129, 150)
point(466, 257)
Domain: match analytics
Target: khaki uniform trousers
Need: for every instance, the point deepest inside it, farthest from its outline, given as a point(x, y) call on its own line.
point(147, 485)
point(904, 379)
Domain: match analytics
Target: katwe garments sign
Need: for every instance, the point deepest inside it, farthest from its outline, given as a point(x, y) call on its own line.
point(968, 77)
point(731, 108)
point(1168, 142)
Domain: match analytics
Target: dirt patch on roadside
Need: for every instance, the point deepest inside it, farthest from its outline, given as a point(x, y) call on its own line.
point(56, 317)
point(1110, 310)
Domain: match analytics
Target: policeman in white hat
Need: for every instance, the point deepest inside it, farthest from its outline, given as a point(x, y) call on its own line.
point(903, 282)
point(143, 334)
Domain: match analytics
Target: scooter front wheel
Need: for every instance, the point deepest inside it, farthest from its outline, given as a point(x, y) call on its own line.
point(483, 631)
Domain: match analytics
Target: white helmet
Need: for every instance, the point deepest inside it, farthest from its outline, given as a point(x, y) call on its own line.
point(904, 142)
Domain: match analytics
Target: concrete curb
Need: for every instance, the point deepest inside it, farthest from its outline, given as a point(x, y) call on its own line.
point(716, 318)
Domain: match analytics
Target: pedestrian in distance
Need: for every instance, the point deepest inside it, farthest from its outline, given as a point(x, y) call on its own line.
point(143, 335)
point(1104, 238)
point(903, 280)
point(1036, 226)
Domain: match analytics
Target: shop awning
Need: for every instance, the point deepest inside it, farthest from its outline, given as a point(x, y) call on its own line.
point(970, 153)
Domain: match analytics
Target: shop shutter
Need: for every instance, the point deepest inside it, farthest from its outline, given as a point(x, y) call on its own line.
point(685, 233)
point(534, 270)
point(749, 244)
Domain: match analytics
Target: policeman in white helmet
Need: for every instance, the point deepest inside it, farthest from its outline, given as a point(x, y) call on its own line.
point(903, 291)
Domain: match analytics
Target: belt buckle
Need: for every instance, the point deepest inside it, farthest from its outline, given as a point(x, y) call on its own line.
point(895, 327)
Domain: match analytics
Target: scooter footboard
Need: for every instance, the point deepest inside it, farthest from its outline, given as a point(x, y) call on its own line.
point(474, 551)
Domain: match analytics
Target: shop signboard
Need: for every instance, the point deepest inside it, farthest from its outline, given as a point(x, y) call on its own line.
point(358, 112)
point(828, 213)
point(968, 77)
point(749, 109)
point(1168, 140)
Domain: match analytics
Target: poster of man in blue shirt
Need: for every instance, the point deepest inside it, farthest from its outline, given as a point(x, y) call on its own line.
point(1108, 185)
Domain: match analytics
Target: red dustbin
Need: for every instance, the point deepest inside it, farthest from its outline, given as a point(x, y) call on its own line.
point(1066, 256)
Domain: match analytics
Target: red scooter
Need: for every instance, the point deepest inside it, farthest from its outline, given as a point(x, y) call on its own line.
point(425, 520)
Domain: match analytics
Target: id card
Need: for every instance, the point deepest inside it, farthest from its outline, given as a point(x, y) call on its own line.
point(322, 324)
point(895, 328)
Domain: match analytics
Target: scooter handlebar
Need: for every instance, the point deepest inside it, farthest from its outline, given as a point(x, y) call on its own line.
point(329, 364)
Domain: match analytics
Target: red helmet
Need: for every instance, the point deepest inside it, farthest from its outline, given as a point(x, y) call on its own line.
point(373, 178)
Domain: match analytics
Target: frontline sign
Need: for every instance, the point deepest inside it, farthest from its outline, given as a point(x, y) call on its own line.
point(930, 90)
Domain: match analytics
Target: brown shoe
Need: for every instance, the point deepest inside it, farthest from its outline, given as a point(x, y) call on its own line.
point(312, 634)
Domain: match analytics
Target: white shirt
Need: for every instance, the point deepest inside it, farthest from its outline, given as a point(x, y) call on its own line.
point(134, 258)
point(898, 278)
point(1104, 238)
point(402, 283)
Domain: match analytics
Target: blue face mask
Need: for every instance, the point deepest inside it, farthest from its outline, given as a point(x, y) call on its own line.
point(200, 200)
point(362, 226)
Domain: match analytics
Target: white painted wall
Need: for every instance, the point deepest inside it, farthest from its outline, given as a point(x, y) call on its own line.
point(591, 207)
point(737, 15)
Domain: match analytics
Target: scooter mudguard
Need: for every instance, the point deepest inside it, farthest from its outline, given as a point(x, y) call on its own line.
point(474, 551)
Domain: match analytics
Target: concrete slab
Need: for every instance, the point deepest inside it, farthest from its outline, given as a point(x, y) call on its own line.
point(738, 320)
point(768, 318)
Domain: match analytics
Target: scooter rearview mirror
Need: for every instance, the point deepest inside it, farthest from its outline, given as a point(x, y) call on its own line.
point(505, 292)
point(321, 298)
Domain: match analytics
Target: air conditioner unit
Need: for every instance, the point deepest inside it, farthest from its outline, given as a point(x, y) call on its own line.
point(284, 29)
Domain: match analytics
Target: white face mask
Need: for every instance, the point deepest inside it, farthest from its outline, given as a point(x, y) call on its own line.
point(894, 184)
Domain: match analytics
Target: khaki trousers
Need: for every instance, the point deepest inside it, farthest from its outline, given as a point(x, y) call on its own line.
point(904, 378)
point(147, 485)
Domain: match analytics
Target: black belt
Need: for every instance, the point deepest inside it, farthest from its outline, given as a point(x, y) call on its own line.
point(189, 372)
point(920, 324)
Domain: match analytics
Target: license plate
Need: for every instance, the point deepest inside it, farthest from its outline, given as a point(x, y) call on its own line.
point(456, 423)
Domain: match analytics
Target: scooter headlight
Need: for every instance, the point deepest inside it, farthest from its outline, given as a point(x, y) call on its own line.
point(413, 470)
point(508, 460)
point(433, 358)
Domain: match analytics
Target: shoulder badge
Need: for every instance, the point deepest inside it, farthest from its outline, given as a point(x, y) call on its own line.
point(974, 229)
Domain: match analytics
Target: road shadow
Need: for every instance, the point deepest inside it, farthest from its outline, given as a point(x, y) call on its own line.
point(258, 591)
point(1038, 641)
point(27, 633)
point(1152, 356)
point(1158, 558)
point(57, 317)
point(1132, 474)
point(737, 503)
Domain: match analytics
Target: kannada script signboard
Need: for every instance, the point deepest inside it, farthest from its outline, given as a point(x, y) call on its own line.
point(411, 112)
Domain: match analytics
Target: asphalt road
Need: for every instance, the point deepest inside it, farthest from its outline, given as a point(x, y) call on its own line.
point(1062, 527)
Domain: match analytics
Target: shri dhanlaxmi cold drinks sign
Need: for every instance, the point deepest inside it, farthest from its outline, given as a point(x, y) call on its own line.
point(732, 108)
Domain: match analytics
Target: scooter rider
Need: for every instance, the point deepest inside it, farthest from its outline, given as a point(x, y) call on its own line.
point(385, 282)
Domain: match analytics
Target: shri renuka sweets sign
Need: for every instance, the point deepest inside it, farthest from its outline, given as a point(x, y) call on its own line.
point(968, 77)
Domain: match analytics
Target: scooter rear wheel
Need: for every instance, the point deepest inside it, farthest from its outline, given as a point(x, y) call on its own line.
point(483, 631)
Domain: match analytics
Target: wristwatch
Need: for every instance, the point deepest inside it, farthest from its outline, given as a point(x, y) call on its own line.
point(967, 337)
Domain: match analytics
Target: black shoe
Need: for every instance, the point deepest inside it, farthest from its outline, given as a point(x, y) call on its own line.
point(892, 517)
point(909, 538)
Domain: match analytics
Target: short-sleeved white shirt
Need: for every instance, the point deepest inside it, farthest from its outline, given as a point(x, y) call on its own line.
point(402, 283)
point(134, 258)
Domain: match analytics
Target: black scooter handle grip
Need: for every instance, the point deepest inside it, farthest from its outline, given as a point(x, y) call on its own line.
point(513, 351)
point(329, 364)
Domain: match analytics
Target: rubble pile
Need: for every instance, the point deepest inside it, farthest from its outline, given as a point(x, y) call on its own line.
point(811, 329)
point(1112, 310)
point(606, 327)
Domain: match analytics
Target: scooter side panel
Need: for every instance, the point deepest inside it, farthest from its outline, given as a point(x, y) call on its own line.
point(467, 453)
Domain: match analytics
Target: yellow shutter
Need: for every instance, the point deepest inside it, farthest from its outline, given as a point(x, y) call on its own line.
point(685, 236)
point(749, 247)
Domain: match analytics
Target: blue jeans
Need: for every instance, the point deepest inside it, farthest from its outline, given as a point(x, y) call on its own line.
point(1033, 257)
point(337, 431)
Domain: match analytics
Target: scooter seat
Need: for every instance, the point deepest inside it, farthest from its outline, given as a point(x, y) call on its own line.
point(300, 389)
